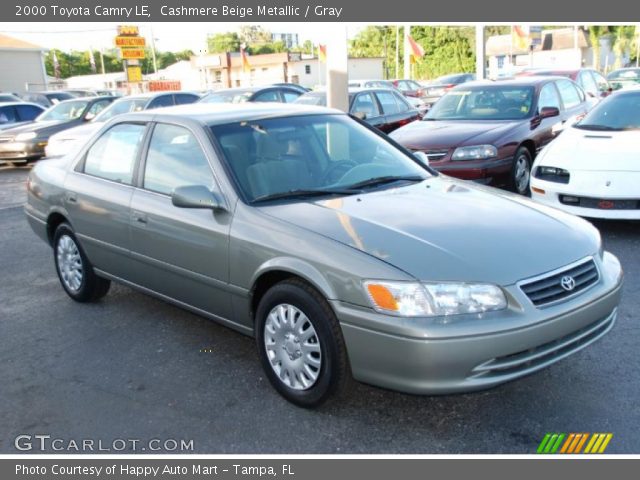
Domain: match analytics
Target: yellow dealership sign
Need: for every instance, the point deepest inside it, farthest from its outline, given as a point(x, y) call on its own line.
point(132, 53)
point(134, 74)
point(130, 41)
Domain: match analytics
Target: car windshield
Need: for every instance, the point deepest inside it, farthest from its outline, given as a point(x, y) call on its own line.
point(64, 111)
point(484, 103)
point(227, 97)
point(617, 112)
point(311, 155)
point(312, 99)
point(631, 74)
point(121, 106)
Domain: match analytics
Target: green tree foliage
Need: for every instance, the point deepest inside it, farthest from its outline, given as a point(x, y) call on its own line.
point(447, 49)
point(78, 63)
point(224, 42)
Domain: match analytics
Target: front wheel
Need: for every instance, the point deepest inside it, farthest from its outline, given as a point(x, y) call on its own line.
point(521, 171)
point(300, 344)
point(74, 269)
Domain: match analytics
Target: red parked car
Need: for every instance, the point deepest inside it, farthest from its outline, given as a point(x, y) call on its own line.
point(409, 88)
point(592, 82)
point(490, 132)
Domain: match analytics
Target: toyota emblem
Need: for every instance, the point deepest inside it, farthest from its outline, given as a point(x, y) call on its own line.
point(568, 283)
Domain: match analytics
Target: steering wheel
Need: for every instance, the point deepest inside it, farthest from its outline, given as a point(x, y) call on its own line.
point(337, 170)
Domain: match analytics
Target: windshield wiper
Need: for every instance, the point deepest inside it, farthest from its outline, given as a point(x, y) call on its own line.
point(373, 182)
point(301, 193)
point(593, 126)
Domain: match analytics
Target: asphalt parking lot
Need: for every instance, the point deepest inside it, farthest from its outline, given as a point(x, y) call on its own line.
point(135, 367)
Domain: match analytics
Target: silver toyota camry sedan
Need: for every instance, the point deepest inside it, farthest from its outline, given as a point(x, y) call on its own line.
point(342, 253)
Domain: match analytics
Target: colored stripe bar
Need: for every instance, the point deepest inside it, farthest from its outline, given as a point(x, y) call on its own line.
point(558, 443)
point(579, 446)
point(574, 444)
point(607, 439)
point(567, 443)
point(543, 443)
point(593, 439)
point(551, 443)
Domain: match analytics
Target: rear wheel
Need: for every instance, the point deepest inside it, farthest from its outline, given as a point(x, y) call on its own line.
point(300, 344)
point(521, 171)
point(74, 270)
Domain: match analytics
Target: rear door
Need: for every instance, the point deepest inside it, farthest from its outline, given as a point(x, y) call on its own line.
point(179, 252)
point(573, 101)
point(98, 195)
point(396, 110)
point(27, 113)
point(367, 104)
point(548, 128)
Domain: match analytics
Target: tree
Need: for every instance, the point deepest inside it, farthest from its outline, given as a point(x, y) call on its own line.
point(595, 34)
point(224, 42)
point(623, 36)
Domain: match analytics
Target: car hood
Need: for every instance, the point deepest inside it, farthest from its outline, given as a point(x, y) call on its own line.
point(445, 230)
point(81, 131)
point(447, 134)
point(588, 150)
point(43, 129)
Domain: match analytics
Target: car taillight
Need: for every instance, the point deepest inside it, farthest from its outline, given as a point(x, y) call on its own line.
point(449, 87)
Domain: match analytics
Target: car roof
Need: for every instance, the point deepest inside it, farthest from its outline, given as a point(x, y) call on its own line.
point(6, 104)
point(529, 81)
point(249, 89)
point(85, 99)
point(223, 113)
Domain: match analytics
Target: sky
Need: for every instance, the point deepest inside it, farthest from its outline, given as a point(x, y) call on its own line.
point(170, 36)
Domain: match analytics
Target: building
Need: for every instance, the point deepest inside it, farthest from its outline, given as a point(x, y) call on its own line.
point(22, 65)
point(565, 48)
point(226, 69)
point(290, 40)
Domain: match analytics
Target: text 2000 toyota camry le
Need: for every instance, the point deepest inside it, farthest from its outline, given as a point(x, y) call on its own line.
point(340, 252)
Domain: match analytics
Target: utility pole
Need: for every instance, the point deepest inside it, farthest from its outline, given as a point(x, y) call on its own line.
point(480, 52)
point(397, 70)
point(337, 69)
point(153, 51)
point(407, 52)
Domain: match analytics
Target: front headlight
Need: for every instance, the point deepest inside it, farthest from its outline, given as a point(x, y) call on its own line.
point(407, 299)
point(21, 137)
point(476, 152)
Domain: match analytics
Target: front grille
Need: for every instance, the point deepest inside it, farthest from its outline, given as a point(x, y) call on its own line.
point(538, 357)
point(601, 203)
point(549, 288)
point(435, 155)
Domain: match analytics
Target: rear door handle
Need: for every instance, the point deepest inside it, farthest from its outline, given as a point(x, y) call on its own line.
point(72, 197)
point(139, 218)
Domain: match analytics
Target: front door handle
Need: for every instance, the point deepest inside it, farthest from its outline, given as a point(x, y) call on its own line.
point(72, 197)
point(139, 218)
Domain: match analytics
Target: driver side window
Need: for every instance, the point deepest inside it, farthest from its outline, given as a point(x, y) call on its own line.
point(548, 97)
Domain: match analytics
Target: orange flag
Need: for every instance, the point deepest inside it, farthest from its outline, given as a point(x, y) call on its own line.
point(416, 49)
point(246, 66)
point(322, 53)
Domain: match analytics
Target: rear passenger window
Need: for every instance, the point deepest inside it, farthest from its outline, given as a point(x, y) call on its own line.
point(7, 115)
point(388, 102)
point(183, 98)
point(175, 159)
point(569, 93)
point(290, 97)
point(28, 112)
point(365, 103)
point(113, 155)
point(162, 101)
point(268, 96)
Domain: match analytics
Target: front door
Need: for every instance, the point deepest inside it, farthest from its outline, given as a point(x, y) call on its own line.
point(179, 252)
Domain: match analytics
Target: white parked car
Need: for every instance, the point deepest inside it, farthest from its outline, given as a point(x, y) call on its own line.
point(593, 168)
point(64, 142)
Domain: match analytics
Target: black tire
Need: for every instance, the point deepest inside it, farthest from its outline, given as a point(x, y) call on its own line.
point(334, 373)
point(91, 287)
point(522, 159)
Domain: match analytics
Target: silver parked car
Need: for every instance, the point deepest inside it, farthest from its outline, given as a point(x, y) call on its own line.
point(343, 254)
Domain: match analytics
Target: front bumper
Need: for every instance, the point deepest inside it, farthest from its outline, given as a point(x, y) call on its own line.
point(528, 339)
point(489, 172)
point(29, 150)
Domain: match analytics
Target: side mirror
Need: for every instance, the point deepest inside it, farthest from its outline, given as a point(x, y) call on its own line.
point(89, 116)
point(422, 158)
point(548, 112)
point(360, 115)
point(196, 196)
